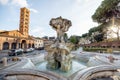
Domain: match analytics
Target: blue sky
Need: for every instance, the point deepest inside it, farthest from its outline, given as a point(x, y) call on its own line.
point(78, 11)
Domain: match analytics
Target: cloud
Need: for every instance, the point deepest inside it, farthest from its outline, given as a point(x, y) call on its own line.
point(80, 27)
point(3, 2)
point(21, 3)
point(33, 10)
point(81, 12)
point(37, 31)
point(40, 31)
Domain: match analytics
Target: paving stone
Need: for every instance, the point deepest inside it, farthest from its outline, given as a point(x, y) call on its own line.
point(11, 78)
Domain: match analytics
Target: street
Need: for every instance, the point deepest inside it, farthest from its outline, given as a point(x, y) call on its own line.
point(5, 54)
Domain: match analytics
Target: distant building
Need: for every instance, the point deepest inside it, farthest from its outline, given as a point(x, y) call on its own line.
point(1, 30)
point(45, 37)
point(83, 41)
point(111, 44)
point(48, 42)
point(18, 38)
point(51, 38)
point(39, 43)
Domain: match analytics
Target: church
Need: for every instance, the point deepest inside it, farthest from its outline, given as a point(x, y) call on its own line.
point(16, 39)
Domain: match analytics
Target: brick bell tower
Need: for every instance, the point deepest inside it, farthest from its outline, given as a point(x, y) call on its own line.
point(24, 21)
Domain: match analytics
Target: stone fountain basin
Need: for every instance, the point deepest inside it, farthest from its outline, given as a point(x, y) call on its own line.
point(76, 66)
point(38, 60)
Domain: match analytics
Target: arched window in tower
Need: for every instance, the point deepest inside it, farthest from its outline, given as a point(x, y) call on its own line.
point(25, 30)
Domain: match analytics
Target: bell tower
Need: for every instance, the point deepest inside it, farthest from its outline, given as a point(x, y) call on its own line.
point(24, 21)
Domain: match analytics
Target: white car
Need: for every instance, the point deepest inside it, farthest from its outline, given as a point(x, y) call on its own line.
point(28, 50)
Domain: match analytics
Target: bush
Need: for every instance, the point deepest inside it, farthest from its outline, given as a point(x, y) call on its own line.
point(95, 49)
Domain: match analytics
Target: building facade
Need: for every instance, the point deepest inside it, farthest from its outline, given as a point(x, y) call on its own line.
point(18, 38)
point(83, 41)
point(39, 43)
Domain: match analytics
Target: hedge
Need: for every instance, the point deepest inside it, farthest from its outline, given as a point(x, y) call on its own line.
point(95, 49)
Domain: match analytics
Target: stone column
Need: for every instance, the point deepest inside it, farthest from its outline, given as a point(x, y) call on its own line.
point(4, 61)
point(26, 46)
point(10, 45)
point(1, 46)
point(17, 46)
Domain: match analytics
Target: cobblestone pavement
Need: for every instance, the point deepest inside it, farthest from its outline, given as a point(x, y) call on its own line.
point(36, 52)
point(10, 62)
point(5, 53)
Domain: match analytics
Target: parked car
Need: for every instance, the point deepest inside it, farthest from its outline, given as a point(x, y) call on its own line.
point(28, 50)
point(20, 49)
point(15, 52)
point(32, 49)
point(40, 48)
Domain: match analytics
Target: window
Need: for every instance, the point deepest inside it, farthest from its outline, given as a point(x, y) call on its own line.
point(113, 46)
point(6, 39)
point(14, 39)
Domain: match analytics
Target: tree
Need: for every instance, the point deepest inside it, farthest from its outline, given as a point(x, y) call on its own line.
point(114, 29)
point(108, 15)
point(91, 30)
point(116, 26)
point(96, 29)
point(84, 35)
point(45, 37)
point(106, 11)
point(74, 39)
point(99, 28)
point(99, 37)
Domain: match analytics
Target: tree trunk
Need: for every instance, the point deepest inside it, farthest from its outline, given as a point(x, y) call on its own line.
point(113, 21)
point(118, 37)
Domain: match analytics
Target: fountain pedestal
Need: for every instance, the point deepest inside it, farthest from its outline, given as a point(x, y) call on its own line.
point(59, 56)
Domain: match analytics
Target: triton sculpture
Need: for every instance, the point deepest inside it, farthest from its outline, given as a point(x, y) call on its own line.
point(59, 56)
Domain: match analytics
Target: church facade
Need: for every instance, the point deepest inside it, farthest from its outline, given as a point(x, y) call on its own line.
point(18, 38)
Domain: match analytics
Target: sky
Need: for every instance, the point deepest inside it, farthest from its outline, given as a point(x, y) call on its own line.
point(78, 11)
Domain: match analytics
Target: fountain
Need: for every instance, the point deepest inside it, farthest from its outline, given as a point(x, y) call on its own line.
point(59, 56)
point(59, 59)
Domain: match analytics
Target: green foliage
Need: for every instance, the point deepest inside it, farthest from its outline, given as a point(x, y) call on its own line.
point(74, 39)
point(95, 49)
point(91, 30)
point(84, 35)
point(99, 28)
point(106, 10)
point(95, 29)
point(45, 37)
point(99, 37)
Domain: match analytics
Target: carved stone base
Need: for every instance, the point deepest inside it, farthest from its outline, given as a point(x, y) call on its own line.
point(59, 58)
